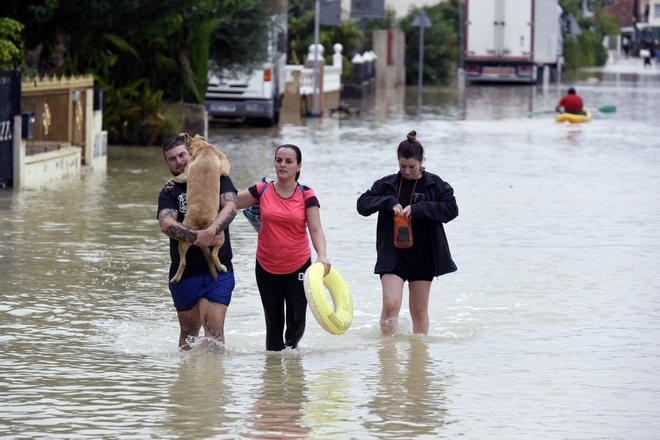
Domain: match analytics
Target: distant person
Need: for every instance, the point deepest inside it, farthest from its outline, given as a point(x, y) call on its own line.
point(411, 244)
point(571, 103)
point(626, 47)
point(646, 55)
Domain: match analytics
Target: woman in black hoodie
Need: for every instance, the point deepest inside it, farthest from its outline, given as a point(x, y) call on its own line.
point(411, 243)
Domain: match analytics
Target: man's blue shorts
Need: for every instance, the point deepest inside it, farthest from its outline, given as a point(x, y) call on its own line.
point(188, 291)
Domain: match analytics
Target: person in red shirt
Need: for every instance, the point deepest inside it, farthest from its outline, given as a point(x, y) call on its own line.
point(571, 103)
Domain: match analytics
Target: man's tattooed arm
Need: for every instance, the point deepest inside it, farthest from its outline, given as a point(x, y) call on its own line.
point(172, 228)
point(226, 200)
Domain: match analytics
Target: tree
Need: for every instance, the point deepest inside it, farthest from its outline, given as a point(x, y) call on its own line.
point(301, 35)
point(587, 50)
point(11, 47)
point(139, 51)
point(237, 51)
point(441, 50)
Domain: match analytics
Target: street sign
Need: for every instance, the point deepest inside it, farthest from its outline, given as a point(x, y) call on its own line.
point(368, 9)
point(421, 19)
point(572, 26)
point(330, 13)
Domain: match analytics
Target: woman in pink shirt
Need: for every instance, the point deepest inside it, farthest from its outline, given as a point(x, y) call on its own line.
point(288, 210)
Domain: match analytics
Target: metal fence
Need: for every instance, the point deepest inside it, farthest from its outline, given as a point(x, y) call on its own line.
point(10, 105)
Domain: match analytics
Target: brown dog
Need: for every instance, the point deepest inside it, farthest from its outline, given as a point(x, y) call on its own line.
point(202, 174)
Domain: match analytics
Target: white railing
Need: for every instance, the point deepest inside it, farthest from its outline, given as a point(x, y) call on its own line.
point(290, 68)
point(331, 79)
point(307, 81)
point(331, 74)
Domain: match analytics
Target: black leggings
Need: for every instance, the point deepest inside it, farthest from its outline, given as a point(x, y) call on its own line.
point(277, 291)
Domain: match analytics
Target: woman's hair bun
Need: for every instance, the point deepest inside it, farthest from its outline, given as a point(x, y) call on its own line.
point(412, 136)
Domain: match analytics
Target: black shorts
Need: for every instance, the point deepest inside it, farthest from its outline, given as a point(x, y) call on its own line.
point(409, 278)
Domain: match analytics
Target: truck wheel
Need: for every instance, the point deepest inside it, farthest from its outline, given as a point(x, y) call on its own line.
point(261, 122)
point(278, 108)
point(276, 117)
point(275, 120)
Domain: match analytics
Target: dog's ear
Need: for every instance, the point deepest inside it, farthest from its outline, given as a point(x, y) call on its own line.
point(199, 136)
point(186, 136)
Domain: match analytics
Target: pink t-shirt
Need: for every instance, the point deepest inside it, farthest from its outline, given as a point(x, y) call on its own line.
point(283, 242)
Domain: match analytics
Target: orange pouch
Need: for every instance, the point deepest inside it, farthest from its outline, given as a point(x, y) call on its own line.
point(403, 237)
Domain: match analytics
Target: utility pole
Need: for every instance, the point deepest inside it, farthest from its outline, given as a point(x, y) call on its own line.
point(461, 34)
point(317, 13)
point(421, 20)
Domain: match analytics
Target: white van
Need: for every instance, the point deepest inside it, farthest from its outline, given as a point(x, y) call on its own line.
point(256, 97)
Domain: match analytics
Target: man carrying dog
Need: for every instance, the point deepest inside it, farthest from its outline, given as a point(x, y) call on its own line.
point(199, 301)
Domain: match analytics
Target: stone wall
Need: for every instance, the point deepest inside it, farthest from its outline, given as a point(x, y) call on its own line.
point(390, 49)
point(38, 170)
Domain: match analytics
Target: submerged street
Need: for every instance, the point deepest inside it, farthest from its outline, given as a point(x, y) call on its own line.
point(549, 328)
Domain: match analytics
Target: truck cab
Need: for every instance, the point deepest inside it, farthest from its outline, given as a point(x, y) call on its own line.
point(257, 96)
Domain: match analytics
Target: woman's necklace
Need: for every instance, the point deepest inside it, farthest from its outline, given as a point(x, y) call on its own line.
point(285, 191)
point(280, 199)
point(413, 190)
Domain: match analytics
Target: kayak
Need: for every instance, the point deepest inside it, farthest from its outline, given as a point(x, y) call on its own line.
point(573, 118)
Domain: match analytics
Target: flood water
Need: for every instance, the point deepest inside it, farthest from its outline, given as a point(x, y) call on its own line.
point(550, 329)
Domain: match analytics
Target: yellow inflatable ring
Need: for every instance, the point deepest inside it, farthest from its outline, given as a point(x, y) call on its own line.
point(334, 319)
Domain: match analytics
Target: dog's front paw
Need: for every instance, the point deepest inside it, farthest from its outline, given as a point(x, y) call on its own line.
point(169, 186)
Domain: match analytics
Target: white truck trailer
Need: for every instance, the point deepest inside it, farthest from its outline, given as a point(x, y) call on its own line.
point(512, 40)
point(257, 96)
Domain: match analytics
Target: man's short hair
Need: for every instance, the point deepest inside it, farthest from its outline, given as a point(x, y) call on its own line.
point(571, 91)
point(174, 142)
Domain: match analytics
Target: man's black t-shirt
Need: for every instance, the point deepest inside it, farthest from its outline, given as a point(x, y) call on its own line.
point(195, 261)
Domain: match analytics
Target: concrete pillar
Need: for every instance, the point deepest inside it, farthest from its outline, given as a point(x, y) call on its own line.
point(337, 57)
point(89, 126)
point(374, 64)
point(368, 63)
point(546, 75)
point(358, 69)
point(460, 78)
point(19, 152)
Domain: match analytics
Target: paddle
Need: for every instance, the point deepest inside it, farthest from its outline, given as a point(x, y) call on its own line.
point(604, 109)
point(540, 113)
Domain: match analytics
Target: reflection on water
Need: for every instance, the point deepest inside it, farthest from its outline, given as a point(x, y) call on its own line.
point(548, 330)
point(278, 406)
point(199, 399)
point(409, 402)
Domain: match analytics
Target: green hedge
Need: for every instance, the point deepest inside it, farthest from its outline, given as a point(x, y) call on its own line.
point(585, 51)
